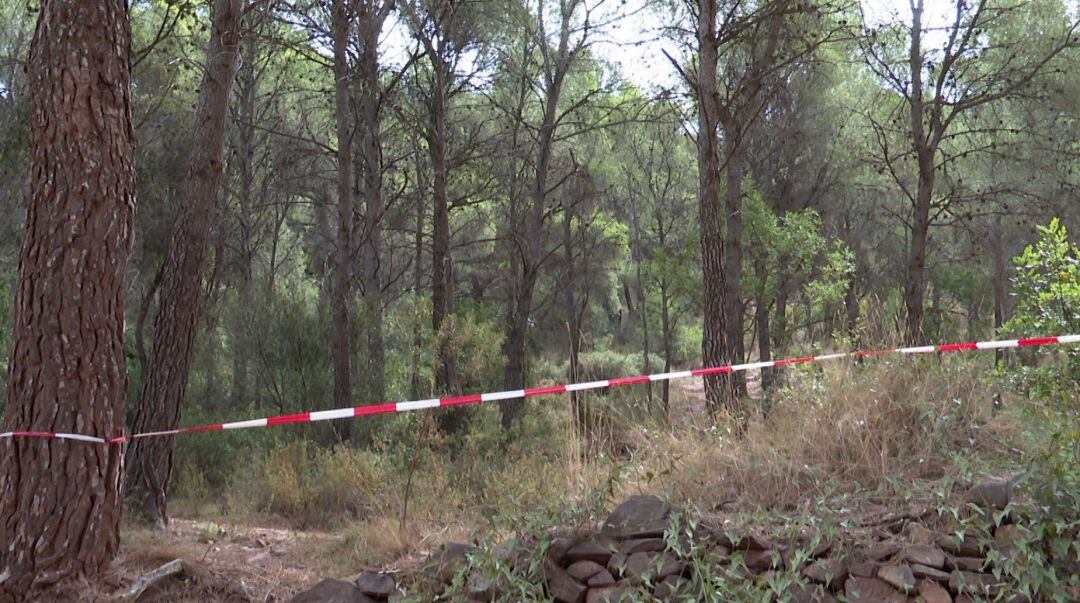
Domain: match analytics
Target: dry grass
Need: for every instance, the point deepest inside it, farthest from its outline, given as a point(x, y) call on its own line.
point(878, 428)
point(873, 427)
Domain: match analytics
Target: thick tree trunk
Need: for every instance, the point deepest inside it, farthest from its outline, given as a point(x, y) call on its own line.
point(343, 394)
point(714, 349)
point(60, 499)
point(149, 461)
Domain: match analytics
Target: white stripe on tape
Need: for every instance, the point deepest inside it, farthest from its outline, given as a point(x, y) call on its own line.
point(1069, 339)
point(922, 349)
point(326, 415)
point(753, 365)
point(993, 345)
point(245, 424)
point(508, 395)
point(417, 405)
point(81, 437)
point(831, 356)
point(6, 434)
point(576, 387)
point(671, 375)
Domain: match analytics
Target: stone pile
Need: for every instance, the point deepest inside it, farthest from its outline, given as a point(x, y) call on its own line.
point(629, 559)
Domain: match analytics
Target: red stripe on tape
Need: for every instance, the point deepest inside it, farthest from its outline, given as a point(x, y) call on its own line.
point(33, 434)
point(374, 409)
point(711, 371)
point(303, 417)
point(793, 361)
point(214, 427)
point(458, 400)
point(544, 391)
point(627, 380)
point(957, 347)
point(1037, 341)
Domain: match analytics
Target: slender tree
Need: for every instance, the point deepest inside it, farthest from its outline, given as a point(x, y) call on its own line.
point(60, 499)
point(149, 461)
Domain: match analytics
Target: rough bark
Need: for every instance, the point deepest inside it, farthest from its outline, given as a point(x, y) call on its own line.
point(60, 499)
point(339, 304)
point(570, 309)
point(709, 208)
point(370, 24)
point(442, 264)
point(149, 461)
point(247, 85)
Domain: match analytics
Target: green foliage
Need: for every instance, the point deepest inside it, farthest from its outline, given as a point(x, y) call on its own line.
point(1047, 285)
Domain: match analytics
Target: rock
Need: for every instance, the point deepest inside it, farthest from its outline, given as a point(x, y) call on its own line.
point(610, 594)
point(990, 494)
point(642, 516)
point(830, 572)
point(331, 591)
point(871, 590)
point(596, 549)
point(749, 541)
point(584, 569)
point(375, 584)
point(899, 576)
point(966, 564)
point(932, 592)
point(601, 578)
point(883, 550)
point(973, 583)
point(556, 551)
point(485, 588)
point(642, 545)
point(866, 569)
point(616, 564)
point(562, 587)
point(961, 547)
point(798, 593)
point(448, 559)
point(760, 561)
point(925, 555)
point(671, 588)
point(922, 571)
point(919, 534)
point(651, 565)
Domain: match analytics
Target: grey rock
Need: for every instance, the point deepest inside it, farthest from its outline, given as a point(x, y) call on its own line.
point(642, 516)
point(375, 584)
point(331, 591)
point(899, 576)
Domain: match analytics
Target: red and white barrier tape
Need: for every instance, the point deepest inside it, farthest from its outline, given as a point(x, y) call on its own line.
point(393, 407)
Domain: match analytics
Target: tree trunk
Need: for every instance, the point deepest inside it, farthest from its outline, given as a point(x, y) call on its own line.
point(149, 461)
point(442, 272)
point(569, 286)
point(733, 306)
point(60, 499)
point(247, 85)
point(714, 350)
point(915, 285)
point(418, 258)
point(343, 395)
point(374, 374)
point(999, 280)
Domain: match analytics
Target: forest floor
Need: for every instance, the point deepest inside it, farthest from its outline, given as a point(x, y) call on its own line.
point(891, 444)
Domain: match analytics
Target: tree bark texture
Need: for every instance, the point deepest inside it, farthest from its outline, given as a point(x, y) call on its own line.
point(339, 305)
point(149, 461)
point(60, 499)
point(709, 207)
point(442, 273)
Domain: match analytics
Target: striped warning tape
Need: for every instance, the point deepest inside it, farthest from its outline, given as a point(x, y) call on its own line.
point(394, 407)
